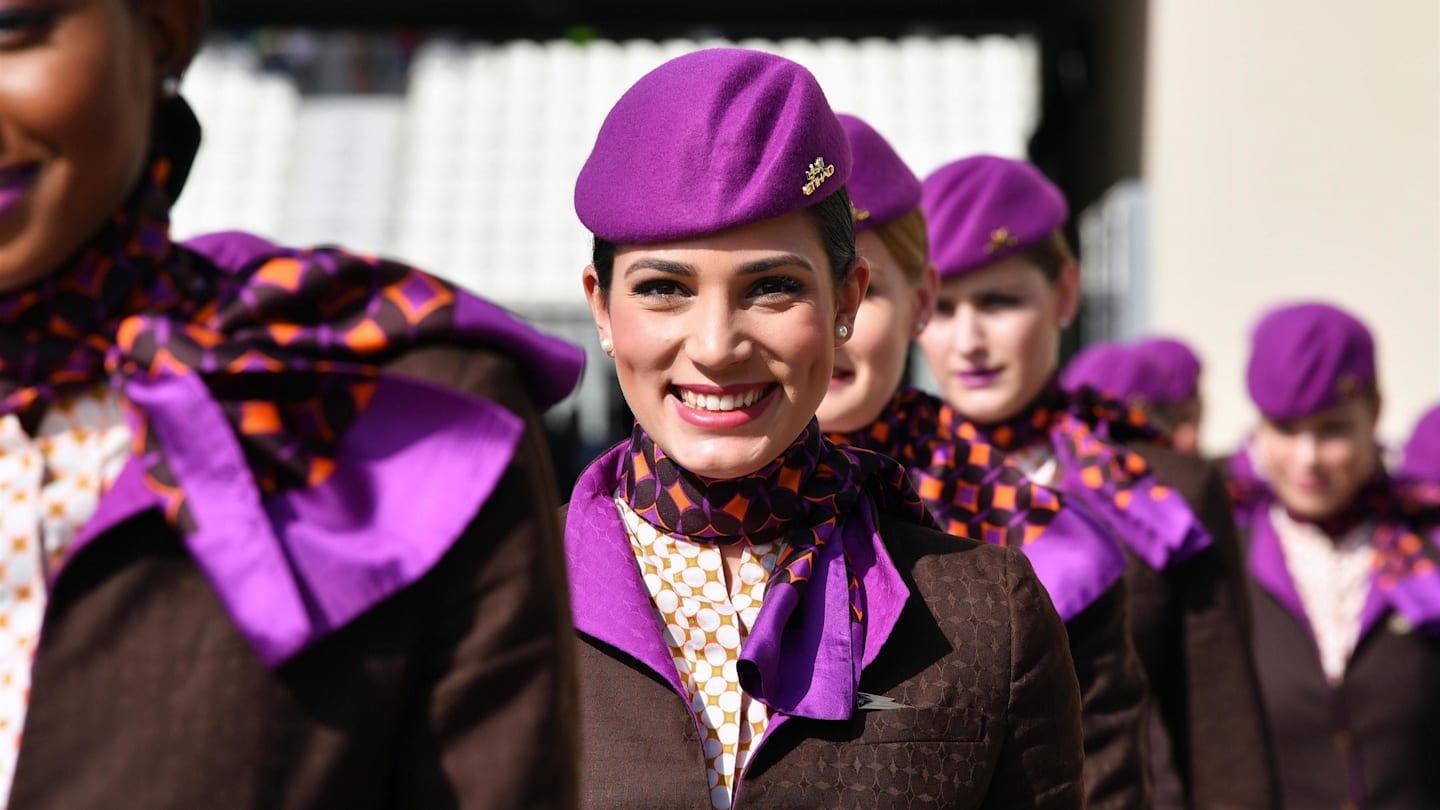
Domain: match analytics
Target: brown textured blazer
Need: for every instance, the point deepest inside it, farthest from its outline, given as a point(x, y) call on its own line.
point(979, 656)
point(1191, 629)
point(456, 692)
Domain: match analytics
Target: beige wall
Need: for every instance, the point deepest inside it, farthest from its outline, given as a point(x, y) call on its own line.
point(1293, 150)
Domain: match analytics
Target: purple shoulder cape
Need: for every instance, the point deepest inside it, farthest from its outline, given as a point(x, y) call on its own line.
point(1154, 522)
point(410, 475)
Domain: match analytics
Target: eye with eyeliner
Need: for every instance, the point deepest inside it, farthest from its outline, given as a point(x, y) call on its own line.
point(21, 25)
point(1000, 301)
point(658, 289)
point(778, 285)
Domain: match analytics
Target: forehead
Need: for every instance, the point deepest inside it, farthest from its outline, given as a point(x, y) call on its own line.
point(1011, 274)
point(794, 233)
point(1354, 409)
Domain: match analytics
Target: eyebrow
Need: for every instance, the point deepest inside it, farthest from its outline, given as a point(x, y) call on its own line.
point(748, 269)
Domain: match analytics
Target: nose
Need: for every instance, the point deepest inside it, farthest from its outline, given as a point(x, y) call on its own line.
point(1307, 449)
point(717, 335)
point(969, 333)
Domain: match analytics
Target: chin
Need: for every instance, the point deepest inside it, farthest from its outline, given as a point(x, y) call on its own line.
point(1314, 507)
point(840, 412)
point(985, 406)
point(723, 457)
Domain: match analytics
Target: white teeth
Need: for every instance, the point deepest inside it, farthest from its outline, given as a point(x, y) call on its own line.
point(715, 402)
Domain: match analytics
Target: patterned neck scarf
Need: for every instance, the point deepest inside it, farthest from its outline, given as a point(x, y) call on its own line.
point(289, 350)
point(963, 482)
point(1399, 514)
point(1087, 431)
point(801, 495)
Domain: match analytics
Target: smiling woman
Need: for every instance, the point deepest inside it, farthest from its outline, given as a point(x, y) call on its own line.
point(767, 619)
point(276, 520)
point(723, 343)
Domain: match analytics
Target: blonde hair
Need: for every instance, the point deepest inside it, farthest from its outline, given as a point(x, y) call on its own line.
point(1051, 254)
point(905, 239)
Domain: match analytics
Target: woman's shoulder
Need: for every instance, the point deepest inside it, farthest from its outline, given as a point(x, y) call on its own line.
point(462, 341)
point(1186, 473)
point(947, 570)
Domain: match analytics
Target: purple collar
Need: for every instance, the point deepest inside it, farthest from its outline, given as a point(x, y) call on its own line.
point(803, 657)
point(1416, 597)
point(1076, 560)
point(293, 567)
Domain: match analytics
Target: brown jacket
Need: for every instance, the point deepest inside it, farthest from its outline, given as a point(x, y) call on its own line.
point(456, 692)
point(1113, 699)
point(1366, 742)
point(979, 659)
point(1191, 630)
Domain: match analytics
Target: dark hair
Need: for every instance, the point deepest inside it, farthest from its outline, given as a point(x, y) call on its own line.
point(1050, 254)
point(833, 216)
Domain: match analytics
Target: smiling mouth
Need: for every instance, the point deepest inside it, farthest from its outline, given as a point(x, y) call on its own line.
point(721, 403)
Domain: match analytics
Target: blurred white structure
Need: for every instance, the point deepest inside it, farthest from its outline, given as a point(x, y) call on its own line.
point(1115, 279)
point(470, 175)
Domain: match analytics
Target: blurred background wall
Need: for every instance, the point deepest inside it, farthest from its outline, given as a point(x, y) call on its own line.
point(1292, 150)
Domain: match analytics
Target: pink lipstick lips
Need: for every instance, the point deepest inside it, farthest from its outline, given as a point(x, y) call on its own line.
point(15, 184)
point(979, 378)
point(732, 406)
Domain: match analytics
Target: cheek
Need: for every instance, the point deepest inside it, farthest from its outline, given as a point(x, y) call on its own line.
point(1275, 452)
point(642, 340)
point(877, 332)
point(798, 348)
point(1038, 341)
point(937, 341)
point(84, 101)
point(1343, 457)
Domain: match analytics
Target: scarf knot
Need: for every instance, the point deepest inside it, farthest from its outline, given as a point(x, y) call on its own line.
point(964, 482)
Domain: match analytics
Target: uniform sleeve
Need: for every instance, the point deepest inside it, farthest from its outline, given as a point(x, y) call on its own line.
point(1113, 695)
point(1041, 753)
point(1222, 706)
point(492, 720)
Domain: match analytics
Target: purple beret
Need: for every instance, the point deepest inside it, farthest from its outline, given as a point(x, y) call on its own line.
point(1421, 461)
point(982, 209)
point(882, 188)
point(1306, 358)
point(1178, 365)
point(1119, 370)
point(709, 141)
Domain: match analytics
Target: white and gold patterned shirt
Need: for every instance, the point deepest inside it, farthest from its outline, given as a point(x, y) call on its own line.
point(50, 486)
point(1333, 579)
point(704, 626)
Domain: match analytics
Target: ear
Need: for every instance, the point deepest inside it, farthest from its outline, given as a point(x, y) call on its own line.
point(848, 296)
point(174, 29)
point(927, 292)
point(1068, 288)
point(595, 296)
